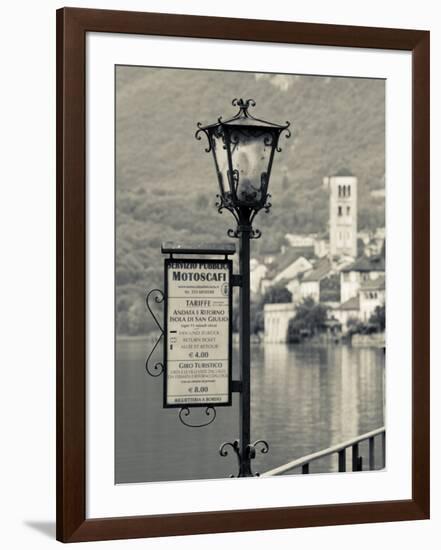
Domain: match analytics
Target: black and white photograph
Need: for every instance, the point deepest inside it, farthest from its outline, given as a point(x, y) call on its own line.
point(250, 269)
point(219, 300)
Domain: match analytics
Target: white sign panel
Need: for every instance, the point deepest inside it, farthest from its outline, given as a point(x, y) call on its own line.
point(198, 333)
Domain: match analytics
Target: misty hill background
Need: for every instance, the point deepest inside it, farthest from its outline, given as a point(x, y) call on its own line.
point(166, 185)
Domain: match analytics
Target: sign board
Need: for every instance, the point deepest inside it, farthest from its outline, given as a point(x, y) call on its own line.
point(197, 345)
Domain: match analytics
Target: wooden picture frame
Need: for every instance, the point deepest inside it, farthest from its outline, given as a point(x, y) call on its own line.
point(72, 26)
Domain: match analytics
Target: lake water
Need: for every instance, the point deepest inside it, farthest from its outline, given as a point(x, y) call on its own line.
point(304, 398)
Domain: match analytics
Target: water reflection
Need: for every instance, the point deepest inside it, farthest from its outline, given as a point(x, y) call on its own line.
point(304, 398)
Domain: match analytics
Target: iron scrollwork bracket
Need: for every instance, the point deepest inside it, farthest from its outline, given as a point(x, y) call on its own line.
point(244, 462)
point(198, 136)
point(235, 233)
point(158, 297)
point(210, 411)
point(244, 222)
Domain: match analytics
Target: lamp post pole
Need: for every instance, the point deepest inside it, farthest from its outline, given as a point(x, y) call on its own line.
point(244, 351)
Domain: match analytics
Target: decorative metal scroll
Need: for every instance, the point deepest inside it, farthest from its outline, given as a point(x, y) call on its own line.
point(254, 233)
point(288, 134)
point(223, 204)
point(210, 411)
point(158, 368)
point(250, 450)
point(157, 296)
point(199, 137)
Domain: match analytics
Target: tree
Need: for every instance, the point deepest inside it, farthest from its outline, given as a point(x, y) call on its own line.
point(277, 294)
point(330, 288)
point(378, 317)
point(310, 317)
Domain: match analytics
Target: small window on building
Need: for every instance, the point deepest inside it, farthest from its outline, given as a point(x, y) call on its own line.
point(344, 190)
point(349, 190)
point(340, 211)
point(339, 190)
point(348, 210)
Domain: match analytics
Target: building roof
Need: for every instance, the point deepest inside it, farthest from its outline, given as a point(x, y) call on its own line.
point(321, 270)
point(351, 304)
point(374, 284)
point(284, 260)
point(365, 263)
point(306, 251)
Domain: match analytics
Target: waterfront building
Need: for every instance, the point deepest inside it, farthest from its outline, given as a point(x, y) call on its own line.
point(342, 213)
point(372, 295)
point(299, 265)
point(348, 310)
point(352, 289)
point(362, 270)
point(284, 268)
point(277, 317)
point(310, 282)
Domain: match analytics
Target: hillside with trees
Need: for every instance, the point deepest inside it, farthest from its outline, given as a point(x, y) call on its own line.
point(165, 182)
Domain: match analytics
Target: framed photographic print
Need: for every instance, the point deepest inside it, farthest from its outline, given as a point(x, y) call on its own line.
point(225, 191)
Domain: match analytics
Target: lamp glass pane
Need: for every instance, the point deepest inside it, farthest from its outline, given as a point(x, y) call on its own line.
point(221, 162)
point(250, 154)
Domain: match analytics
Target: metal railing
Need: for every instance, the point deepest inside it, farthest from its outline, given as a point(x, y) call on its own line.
point(340, 449)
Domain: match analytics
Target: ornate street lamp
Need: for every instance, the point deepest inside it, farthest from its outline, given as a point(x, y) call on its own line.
point(243, 150)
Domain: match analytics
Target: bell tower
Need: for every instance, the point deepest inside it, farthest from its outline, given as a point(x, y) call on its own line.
point(342, 214)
